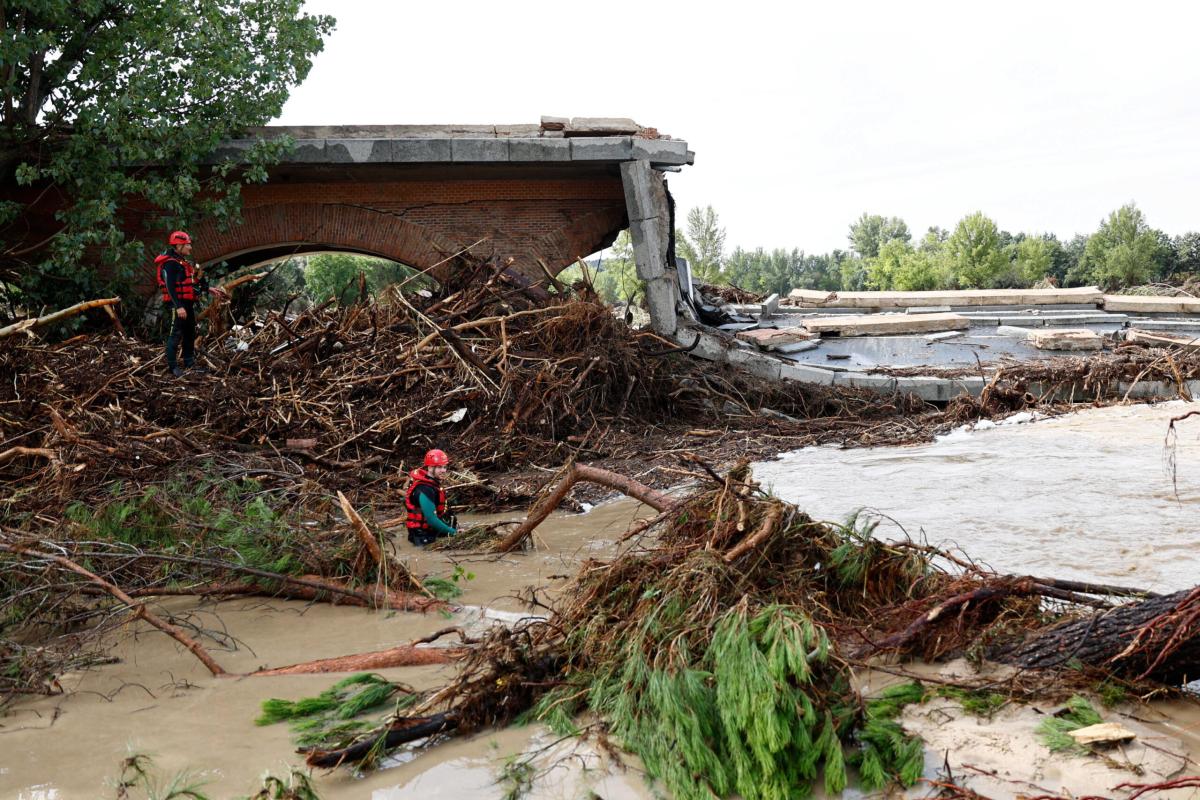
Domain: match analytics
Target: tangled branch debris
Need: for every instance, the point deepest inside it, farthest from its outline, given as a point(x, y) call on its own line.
point(718, 648)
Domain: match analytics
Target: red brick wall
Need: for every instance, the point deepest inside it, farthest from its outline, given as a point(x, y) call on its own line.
point(422, 222)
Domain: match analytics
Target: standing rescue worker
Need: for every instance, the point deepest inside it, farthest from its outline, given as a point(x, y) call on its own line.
point(181, 284)
point(425, 501)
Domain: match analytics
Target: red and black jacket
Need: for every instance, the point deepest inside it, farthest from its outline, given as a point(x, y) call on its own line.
point(185, 288)
point(416, 520)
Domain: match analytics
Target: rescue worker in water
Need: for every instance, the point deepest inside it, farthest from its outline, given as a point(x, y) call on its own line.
point(425, 502)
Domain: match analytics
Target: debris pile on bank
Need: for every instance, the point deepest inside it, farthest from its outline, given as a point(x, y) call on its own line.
point(484, 370)
point(718, 647)
point(166, 486)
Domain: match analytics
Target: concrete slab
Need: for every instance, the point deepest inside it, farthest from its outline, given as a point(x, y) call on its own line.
point(602, 148)
point(770, 306)
point(358, 151)
point(660, 151)
point(766, 338)
point(524, 131)
point(795, 347)
point(1162, 339)
point(928, 310)
point(957, 297)
point(1070, 339)
point(1165, 324)
point(478, 150)
point(944, 335)
point(602, 125)
point(308, 151)
point(885, 324)
point(539, 150)
point(421, 151)
point(1138, 304)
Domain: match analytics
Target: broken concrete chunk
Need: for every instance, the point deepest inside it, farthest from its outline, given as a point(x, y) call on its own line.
point(1066, 339)
point(944, 335)
point(602, 126)
point(555, 123)
point(1011, 330)
point(885, 324)
point(795, 347)
point(1162, 339)
point(767, 338)
point(770, 306)
point(1104, 733)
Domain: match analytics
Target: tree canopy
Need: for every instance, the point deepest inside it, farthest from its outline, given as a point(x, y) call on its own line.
point(103, 101)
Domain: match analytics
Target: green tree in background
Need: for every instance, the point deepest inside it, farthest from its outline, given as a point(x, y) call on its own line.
point(1033, 258)
point(703, 245)
point(1123, 252)
point(93, 86)
point(617, 280)
point(871, 232)
point(336, 275)
point(1187, 252)
point(974, 252)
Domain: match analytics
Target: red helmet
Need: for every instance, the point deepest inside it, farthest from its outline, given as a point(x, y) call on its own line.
point(436, 458)
point(179, 237)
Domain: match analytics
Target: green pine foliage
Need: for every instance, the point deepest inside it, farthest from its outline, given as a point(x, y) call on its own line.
point(1055, 731)
point(978, 703)
point(885, 751)
point(334, 714)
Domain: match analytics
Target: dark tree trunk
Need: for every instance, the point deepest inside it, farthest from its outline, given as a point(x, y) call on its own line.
point(1157, 638)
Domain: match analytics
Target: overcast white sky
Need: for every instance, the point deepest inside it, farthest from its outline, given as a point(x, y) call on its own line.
point(1045, 115)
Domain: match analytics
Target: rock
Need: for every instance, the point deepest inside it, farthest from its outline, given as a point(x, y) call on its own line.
point(1104, 733)
point(1066, 339)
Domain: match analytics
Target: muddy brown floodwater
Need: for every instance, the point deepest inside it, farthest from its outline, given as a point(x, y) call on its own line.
point(1081, 496)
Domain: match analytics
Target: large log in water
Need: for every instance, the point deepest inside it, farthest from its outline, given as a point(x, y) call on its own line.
point(1157, 638)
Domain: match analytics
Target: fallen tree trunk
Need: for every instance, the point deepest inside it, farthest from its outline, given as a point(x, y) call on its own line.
point(405, 655)
point(37, 322)
point(1156, 638)
point(400, 732)
point(574, 474)
point(139, 610)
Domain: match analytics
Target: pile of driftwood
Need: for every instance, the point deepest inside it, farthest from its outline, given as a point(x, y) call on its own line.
point(225, 483)
point(718, 646)
point(501, 375)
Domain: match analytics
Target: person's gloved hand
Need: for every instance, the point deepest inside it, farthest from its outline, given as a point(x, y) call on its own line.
point(453, 532)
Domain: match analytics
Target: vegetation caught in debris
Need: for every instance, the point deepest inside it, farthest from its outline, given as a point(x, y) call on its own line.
point(718, 649)
point(1054, 731)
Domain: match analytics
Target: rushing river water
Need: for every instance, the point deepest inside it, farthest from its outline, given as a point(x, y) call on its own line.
point(1086, 496)
point(1083, 496)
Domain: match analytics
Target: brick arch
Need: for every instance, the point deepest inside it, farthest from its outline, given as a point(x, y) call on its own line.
point(270, 231)
point(581, 236)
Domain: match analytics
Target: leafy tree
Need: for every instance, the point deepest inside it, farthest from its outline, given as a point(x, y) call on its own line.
point(872, 231)
point(1123, 252)
point(704, 244)
point(1033, 258)
point(617, 279)
point(881, 269)
point(1187, 252)
point(919, 271)
point(854, 274)
point(934, 238)
point(90, 88)
point(974, 253)
point(337, 275)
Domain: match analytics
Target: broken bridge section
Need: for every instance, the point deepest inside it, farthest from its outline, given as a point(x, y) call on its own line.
point(543, 195)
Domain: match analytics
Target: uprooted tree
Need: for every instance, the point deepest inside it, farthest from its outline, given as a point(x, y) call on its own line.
point(718, 648)
point(93, 92)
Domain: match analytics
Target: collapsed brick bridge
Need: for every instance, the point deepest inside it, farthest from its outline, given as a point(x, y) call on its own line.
point(548, 193)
